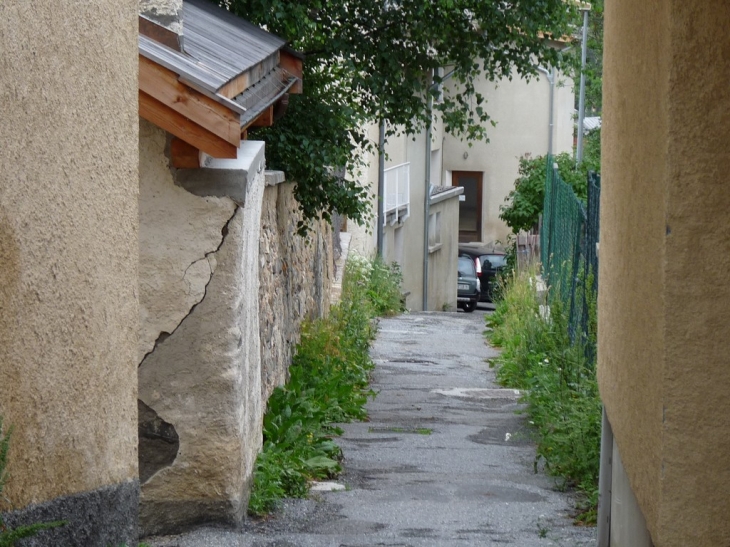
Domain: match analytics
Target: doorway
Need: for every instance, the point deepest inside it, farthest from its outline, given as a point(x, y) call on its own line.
point(470, 204)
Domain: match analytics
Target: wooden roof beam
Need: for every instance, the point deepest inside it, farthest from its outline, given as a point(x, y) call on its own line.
point(293, 63)
point(163, 85)
point(243, 81)
point(179, 125)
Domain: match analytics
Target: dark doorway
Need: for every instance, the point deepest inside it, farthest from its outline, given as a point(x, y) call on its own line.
point(470, 204)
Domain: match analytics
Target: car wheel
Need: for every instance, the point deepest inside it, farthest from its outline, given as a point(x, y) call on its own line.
point(470, 307)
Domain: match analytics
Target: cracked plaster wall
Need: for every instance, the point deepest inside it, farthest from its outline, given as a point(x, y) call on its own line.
point(223, 292)
point(179, 235)
point(199, 283)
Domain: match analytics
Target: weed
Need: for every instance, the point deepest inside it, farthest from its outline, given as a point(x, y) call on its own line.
point(561, 392)
point(328, 384)
point(9, 536)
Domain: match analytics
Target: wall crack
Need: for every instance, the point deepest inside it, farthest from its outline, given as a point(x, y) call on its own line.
point(209, 256)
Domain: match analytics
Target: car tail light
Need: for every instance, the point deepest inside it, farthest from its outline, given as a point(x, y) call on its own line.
point(478, 265)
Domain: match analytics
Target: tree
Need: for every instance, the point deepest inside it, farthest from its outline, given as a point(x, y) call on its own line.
point(524, 204)
point(367, 61)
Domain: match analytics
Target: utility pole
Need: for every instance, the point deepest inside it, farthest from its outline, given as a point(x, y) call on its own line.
point(381, 188)
point(427, 196)
point(582, 98)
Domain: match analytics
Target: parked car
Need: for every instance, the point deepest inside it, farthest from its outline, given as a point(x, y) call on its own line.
point(469, 289)
point(488, 261)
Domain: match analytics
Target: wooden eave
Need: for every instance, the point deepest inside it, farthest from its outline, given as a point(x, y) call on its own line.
point(186, 113)
point(208, 86)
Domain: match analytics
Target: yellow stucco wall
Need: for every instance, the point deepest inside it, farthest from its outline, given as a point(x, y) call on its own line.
point(696, 429)
point(664, 301)
point(68, 245)
point(631, 299)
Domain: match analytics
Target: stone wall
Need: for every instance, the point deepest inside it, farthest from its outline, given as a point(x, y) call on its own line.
point(296, 275)
point(224, 284)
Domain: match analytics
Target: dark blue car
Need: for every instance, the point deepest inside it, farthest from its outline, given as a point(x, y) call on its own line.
point(468, 293)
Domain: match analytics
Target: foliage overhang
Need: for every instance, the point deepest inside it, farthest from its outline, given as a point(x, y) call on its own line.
point(367, 61)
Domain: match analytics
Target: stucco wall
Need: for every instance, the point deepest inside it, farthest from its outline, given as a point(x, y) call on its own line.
point(68, 255)
point(633, 232)
point(442, 262)
point(663, 298)
point(521, 111)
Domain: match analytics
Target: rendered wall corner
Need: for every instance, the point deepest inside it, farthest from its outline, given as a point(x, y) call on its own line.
point(68, 267)
point(664, 305)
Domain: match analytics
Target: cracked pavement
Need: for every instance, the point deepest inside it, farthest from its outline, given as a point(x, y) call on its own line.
point(443, 461)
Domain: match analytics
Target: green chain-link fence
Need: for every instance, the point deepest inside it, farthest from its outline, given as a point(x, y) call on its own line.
point(569, 252)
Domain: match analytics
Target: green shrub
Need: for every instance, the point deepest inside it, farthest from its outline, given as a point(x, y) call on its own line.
point(561, 393)
point(524, 204)
point(328, 384)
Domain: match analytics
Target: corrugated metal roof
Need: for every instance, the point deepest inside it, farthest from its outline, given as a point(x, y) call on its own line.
point(264, 93)
point(223, 40)
point(188, 68)
point(218, 45)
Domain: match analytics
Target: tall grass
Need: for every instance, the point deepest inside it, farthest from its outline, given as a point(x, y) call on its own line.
point(561, 392)
point(329, 384)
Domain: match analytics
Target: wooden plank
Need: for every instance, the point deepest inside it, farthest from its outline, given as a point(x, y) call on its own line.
point(242, 82)
point(173, 122)
point(160, 34)
point(184, 155)
point(294, 65)
point(236, 86)
point(163, 84)
point(266, 119)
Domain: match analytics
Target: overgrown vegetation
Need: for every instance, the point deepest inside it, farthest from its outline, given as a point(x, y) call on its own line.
point(524, 203)
point(561, 392)
point(329, 384)
point(10, 536)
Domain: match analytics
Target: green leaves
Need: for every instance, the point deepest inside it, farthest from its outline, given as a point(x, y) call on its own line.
point(369, 60)
point(524, 204)
point(561, 391)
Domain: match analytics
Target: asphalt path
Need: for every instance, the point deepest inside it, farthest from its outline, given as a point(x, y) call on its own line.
point(444, 459)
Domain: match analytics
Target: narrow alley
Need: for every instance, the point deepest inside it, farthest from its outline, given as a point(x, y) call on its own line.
point(443, 461)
